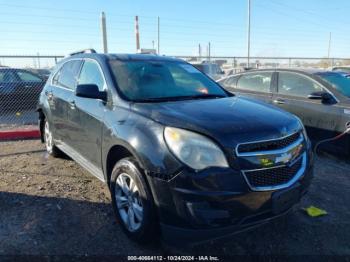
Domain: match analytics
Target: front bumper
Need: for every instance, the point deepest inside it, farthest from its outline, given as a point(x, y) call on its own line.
point(196, 207)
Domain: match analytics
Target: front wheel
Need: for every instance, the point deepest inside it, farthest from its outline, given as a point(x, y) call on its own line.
point(132, 201)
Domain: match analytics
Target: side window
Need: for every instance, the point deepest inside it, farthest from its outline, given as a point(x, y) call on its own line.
point(91, 74)
point(230, 83)
point(258, 82)
point(296, 85)
point(28, 77)
point(56, 76)
point(7, 77)
point(67, 76)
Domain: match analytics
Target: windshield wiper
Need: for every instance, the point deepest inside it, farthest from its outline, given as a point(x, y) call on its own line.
point(179, 98)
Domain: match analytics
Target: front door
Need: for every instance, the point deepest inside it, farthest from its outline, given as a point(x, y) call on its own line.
point(91, 114)
point(321, 119)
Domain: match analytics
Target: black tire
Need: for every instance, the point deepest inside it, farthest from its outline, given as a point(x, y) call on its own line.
point(146, 231)
point(51, 149)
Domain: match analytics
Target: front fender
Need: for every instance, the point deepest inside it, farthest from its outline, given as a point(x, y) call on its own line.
point(142, 137)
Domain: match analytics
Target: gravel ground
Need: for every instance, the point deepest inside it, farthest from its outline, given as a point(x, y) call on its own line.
point(53, 207)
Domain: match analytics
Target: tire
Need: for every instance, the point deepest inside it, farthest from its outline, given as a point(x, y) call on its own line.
point(132, 201)
point(51, 149)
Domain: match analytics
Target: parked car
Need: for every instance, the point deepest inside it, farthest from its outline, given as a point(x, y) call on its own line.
point(343, 69)
point(42, 72)
point(19, 89)
point(176, 150)
point(320, 98)
point(212, 70)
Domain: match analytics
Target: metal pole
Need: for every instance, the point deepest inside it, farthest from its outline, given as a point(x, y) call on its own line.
point(38, 60)
point(158, 35)
point(248, 40)
point(137, 33)
point(329, 47)
point(104, 32)
point(209, 50)
point(199, 51)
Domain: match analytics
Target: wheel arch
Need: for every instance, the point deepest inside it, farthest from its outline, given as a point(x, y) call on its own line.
point(116, 153)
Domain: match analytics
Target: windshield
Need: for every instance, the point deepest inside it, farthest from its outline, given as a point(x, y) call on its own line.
point(162, 80)
point(341, 83)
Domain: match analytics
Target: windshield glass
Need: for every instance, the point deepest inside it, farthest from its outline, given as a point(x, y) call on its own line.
point(341, 83)
point(162, 80)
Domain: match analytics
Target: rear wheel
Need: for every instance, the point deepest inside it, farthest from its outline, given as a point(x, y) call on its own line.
point(49, 142)
point(132, 201)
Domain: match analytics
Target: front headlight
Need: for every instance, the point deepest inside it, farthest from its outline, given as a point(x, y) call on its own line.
point(194, 150)
point(303, 129)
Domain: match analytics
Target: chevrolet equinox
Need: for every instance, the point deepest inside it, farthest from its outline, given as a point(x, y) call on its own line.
point(182, 157)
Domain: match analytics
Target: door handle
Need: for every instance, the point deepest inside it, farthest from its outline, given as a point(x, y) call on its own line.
point(72, 104)
point(279, 101)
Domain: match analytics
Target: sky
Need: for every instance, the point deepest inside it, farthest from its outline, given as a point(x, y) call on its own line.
point(278, 27)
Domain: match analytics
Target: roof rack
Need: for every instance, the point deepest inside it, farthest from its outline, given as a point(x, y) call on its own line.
point(84, 51)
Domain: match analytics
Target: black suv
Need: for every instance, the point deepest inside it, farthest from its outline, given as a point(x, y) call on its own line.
point(177, 151)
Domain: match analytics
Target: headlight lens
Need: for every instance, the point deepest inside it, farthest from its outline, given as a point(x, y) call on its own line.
point(303, 128)
point(196, 151)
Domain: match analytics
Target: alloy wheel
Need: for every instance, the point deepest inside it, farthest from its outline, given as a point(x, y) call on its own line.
point(128, 202)
point(48, 138)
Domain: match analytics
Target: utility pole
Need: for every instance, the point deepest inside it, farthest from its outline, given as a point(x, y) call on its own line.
point(137, 33)
point(209, 50)
point(199, 51)
point(158, 42)
point(104, 32)
point(248, 37)
point(38, 59)
point(329, 48)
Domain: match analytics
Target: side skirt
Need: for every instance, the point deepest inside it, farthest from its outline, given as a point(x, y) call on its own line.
point(77, 157)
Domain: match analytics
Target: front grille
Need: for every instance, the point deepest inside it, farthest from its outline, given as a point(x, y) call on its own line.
point(268, 145)
point(273, 176)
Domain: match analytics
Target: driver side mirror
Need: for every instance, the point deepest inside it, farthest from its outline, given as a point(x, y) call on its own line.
point(90, 91)
point(324, 96)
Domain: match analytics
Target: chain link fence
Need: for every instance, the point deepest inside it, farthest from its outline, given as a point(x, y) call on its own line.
point(234, 64)
point(21, 81)
point(23, 77)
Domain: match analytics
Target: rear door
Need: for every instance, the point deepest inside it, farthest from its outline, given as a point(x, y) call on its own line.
point(292, 95)
point(256, 84)
point(91, 114)
point(63, 87)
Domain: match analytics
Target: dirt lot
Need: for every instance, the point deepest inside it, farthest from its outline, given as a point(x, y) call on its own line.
point(53, 207)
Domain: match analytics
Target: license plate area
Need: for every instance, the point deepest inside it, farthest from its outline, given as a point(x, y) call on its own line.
point(284, 199)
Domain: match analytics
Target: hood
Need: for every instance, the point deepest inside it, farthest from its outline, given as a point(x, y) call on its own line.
point(229, 120)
